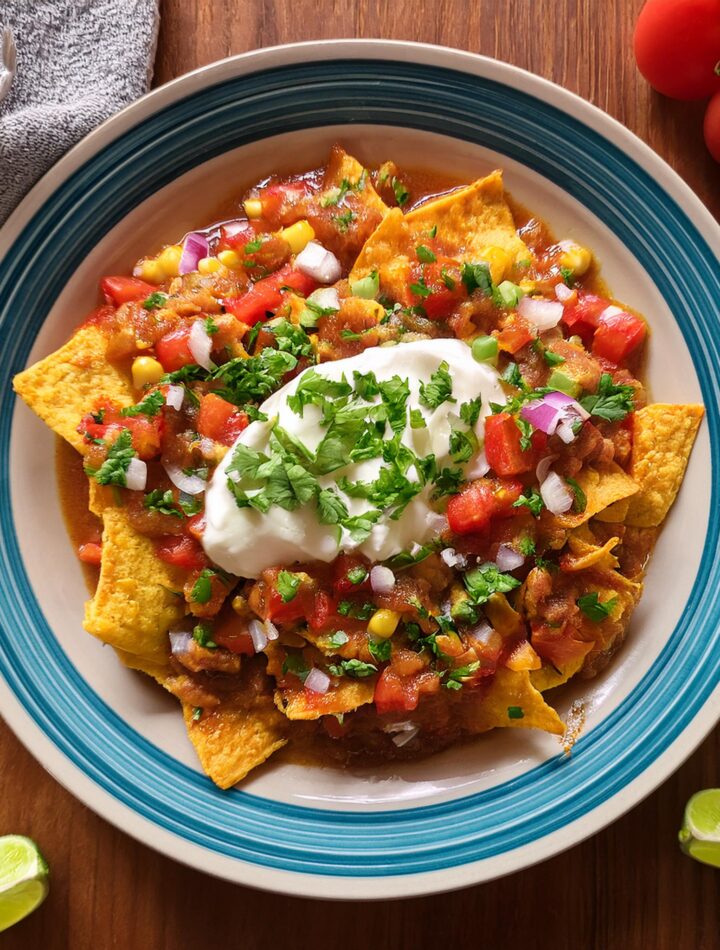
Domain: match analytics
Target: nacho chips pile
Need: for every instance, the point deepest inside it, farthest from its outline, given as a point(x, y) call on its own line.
point(501, 607)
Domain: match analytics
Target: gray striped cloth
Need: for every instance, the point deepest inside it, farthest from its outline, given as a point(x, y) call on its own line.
point(66, 65)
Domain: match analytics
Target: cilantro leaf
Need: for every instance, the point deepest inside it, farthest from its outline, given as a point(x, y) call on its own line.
point(457, 677)
point(447, 482)
point(380, 650)
point(486, 580)
point(336, 640)
point(254, 378)
point(291, 339)
point(526, 431)
point(417, 420)
point(295, 663)
point(353, 668)
point(202, 634)
point(331, 508)
point(512, 376)
point(185, 374)
point(315, 389)
point(425, 254)
point(595, 610)
point(113, 470)
point(420, 289)
point(463, 445)
point(394, 394)
point(401, 192)
point(477, 277)
point(470, 411)
point(532, 501)
point(553, 359)
point(288, 585)
point(344, 220)
point(438, 390)
point(156, 299)
point(526, 546)
point(611, 402)
point(580, 497)
point(162, 502)
point(366, 385)
point(149, 406)
point(360, 526)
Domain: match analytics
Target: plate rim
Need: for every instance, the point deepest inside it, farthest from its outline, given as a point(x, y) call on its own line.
point(78, 782)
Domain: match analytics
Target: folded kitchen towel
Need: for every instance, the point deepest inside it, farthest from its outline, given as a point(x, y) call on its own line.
point(66, 66)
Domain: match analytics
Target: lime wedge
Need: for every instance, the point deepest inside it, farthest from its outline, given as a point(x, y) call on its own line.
point(700, 834)
point(23, 879)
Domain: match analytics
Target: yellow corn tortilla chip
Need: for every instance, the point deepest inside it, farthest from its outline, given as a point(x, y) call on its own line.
point(584, 555)
point(615, 513)
point(347, 696)
point(158, 671)
point(134, 605)
point(663, 437)
point(387, 252)
point(469, 220)
point(548, 677)
point(65, 385)
point(343, 166)
point(512, 688)
point(235, 737)
point(601, 488)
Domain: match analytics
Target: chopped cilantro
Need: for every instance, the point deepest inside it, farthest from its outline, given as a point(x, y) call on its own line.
point(291, 339)
point(113, 470)
point(197, 713)
point(526, 431)
point(346, 608)
point(526, 546)
point(515, 712)
point(553, 359)
point(155, 300)
point(611, 402)
point(202, 634)
point(295, 663)
point(253, 379)
point(463, 445)
point(185, 374)
point(512, 376)
point(356, 575)
point(595, 610)
point(417, 420)
point(360, 526)
point(486, 580)
point(394, 394)
point(458, 676)
point(366, 385)
point(344, 220)
point(190, 504)
point(331, 508)
point(449, 281)
point(210, 326)
point(202, 588)
point(401, 192)
point(567, 275)
point(447, 482)
point(425, 254)
point(433, 231)
point(477, 276)
point(532, 501)
point(580, 499)
point(354, 668)
point(288, 585)
point(350, 335)
point(337, 639)
point(252, 247)
point(420, 289)
point(149, 406)
point(470, 411)
point(438, 390)
point(380, 650)
point(162, 502)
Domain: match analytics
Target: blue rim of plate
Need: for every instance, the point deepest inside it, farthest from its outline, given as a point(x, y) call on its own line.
point(374, 843)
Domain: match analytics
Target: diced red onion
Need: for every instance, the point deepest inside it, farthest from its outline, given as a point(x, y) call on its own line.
point(402, 738)
point(565, 431)
point(179, 642)
point(258, 634)
point(271, 630)
point(174, 396)
point(317, 681)
point(416, 549)
point(543, 467)
point(553, 408)
point(402, 732)
point(316, 261)
point(382, 579)
point(200, 345)
point(192, 484)
point(136, 475)
point(556, 494)
point(325, 297)
point(450, 557)
point(478, 466)
point(544, 314)
point(508, 559)
point(195, 247)
point(563, 292)
point(231, 228)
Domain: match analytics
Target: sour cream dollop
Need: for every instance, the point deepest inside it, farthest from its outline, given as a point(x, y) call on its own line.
point(245, 541)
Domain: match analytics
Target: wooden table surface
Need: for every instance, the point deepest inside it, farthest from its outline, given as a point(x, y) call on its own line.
point(629, 886)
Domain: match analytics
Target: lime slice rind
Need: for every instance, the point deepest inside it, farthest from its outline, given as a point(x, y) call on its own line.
point(23, 879)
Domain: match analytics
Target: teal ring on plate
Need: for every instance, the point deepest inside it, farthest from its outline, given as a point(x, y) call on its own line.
point(334, 842)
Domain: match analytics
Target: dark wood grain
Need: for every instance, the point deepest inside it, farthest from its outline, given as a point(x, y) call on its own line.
point(628, 887)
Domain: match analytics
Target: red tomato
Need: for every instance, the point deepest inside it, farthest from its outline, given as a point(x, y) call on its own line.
point(617, 335)
point(278, 200)
point(582, 317)
point(118, 290)
point(266, 295)
point(502, 446)
point(230, 631)
point(395, 693)
point(556, 644)
point(234, 237)
point(515, 334)
point(196, 526)
point(482, 500)
point(173, 349)
point(219, 420)
point(276, 609)
point(182, 551)
point(444, 281)
point(711, 127)
point(677, 47)
point(90, 553)
point(324, 610)
point(146, 431)
point(344, 565)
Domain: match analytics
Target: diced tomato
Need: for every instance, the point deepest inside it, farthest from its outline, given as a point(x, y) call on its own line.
point(515, 334)
point(266, 295)
point(280, 198)
point(220, 420)
point(502, 446)
point(196, 525)
point(582, 317)
point(146, 431)
point(119, 290)
point(557, 645)
point(181, 551)
point(395, 693)
point(323, 611)
point(173, 349)
point(443, 280)
point(236, 237)
point(230, 631)
point(618, 335)
point(484, 499)
point(90, 553)
point(276, 609)
point(218, 592)
point(344, 565)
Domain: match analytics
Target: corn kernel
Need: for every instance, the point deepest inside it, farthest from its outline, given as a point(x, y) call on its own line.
point(527, 286)
point(498, 261)
point(151, 271)
point(208, 265)
point(169, 260)
point(298, 235)
point(383, 623)
point(577, 259)
point(253, 208)
point(230, 259)
point(146, 371)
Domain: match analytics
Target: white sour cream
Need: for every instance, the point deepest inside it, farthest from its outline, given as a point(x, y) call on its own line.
point(244, 541)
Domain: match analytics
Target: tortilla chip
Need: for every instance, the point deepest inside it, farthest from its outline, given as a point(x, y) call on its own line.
point(615, 513)
point(601, 488)
point(343, 166)
point(387, 252)
point(502, 617)
point(134, 605)
point(512, 689)
point(549, 677)
point(469, 220)
point(583, 555)
point(663, 437)
point(65, 385)
point(346, 697)
point(235, 737)
point(158, 671)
